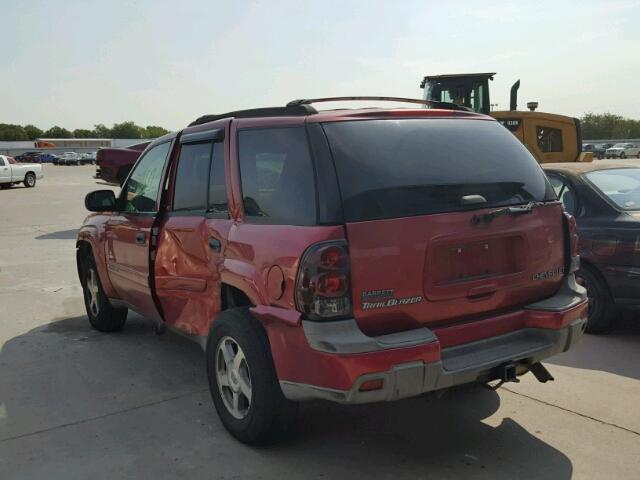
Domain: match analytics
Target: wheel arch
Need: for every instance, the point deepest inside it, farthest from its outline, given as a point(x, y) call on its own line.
point(87, 243)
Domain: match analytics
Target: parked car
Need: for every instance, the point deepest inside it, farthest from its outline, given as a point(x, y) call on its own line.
point(86, 159)
point(12, 172)
point(69, 158)
point(46, 158)
point(114, 164)
point(623, 150)
point(27, 157)
point(598, 149)
point(604, 198)
point(348, 255)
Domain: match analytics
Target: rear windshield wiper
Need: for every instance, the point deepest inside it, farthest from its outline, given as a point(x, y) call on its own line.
point(514, 210)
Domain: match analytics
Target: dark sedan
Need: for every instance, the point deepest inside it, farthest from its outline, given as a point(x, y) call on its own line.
point(604, 197)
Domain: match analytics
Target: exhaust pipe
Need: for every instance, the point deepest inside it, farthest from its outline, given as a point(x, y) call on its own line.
point(513, 104)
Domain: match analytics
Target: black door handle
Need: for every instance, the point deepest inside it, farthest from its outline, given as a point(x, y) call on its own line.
point(214, 244)
point(140, 238)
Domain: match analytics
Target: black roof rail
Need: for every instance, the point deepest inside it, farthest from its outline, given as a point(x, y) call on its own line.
point(430, 103)
point(296, 110)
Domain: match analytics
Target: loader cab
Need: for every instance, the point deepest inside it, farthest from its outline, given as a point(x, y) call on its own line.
point(468, 90)
point(549, 137)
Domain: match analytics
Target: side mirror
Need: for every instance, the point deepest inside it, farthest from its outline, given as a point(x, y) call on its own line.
point(100, 201)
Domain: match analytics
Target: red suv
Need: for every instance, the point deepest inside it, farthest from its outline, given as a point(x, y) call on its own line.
point(349, 255)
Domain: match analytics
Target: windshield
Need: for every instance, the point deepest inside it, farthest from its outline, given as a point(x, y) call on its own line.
point(620, 185)
point(619, 145)
point(396, 168)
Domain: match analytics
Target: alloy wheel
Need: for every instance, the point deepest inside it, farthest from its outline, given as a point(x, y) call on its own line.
point(93, 292)
point(233, 377)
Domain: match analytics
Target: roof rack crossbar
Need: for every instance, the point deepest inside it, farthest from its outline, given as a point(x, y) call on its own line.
point(430, 103)
point(308, 101)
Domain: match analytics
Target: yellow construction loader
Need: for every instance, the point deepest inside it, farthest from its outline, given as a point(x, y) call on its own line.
point(548, 136)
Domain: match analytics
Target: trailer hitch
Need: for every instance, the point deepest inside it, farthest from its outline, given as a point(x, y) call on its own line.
point(503, 373)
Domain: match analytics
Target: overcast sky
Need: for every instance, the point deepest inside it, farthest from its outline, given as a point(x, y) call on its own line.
point(76, 64)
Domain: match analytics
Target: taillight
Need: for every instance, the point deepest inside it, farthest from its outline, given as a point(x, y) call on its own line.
point(572, 234)
point(323, 286)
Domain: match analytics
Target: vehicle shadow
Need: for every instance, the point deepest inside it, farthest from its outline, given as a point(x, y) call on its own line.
point(615, 352)
point(60, 235)
point(136, 403)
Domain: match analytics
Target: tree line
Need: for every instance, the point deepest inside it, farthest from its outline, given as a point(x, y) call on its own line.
point(609, 126)
point(594, 126)
point(9, 132)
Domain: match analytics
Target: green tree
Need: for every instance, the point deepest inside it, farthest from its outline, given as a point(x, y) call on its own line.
point(9, 132)
point(82, 133)
point(153, 131)
point(608, 126)
point(101, 131)
point(126, 130)
point(32, 132)
point(57, 132)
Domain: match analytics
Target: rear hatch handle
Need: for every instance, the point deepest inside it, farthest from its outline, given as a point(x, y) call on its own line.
point(515, 210)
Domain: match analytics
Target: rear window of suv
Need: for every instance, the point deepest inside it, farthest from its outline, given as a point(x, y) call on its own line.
point(407, 167)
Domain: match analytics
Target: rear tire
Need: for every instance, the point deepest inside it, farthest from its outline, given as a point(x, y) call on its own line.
point(601, 305)
point(243, 381)
point(102, 315)
point(30, 180)
point(4, 186)
point(623, 155)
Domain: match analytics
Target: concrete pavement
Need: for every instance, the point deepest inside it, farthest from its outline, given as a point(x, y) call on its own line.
point(75, 403)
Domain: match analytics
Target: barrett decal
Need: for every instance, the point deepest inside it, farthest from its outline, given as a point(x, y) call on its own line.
point(377, 294)
point(391, 302)
point(549, 274)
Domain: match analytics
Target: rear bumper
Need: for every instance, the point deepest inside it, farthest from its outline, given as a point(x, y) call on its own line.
point(338, 362)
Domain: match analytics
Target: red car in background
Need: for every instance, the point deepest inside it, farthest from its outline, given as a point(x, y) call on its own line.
point(114, 164)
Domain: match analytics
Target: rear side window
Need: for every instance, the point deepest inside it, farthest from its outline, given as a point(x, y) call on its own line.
point(191, 177)
point(549, 139)
point(217, 186)
point(200, 180)
point(277, 176)
point(407, 167)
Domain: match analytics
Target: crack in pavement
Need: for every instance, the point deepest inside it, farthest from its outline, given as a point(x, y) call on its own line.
point(573, 411)
point(110, 414)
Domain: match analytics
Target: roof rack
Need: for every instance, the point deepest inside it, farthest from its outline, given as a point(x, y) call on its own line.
point(302, 107)
point(297, 110)
point(430, 103)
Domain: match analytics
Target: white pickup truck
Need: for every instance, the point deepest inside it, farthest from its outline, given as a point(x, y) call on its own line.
point(12, 172)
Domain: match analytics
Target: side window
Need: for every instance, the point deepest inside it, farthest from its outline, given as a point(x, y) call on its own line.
point(549, 139)
point(141, 191)
point(190, 191)
point(2, 162)
point(217, 186)
point(277, 176)
point(565, 194)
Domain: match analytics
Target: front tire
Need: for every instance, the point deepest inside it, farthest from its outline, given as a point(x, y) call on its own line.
point(242, 378)
point(601, 305)
point(30, 180)
point(102, 315)
point(623, 155)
